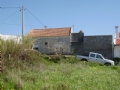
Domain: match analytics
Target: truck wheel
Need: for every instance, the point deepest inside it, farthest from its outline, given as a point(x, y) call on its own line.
point(84, 60)
point(108, 64)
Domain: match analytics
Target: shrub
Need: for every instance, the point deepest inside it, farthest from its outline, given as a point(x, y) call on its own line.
point(14, 49)
point(116, 60)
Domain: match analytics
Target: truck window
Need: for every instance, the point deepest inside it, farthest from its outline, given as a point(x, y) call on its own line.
point(92, 55)
point(98, 56)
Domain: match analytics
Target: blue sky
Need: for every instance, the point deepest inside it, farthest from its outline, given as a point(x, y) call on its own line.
point(93, 17)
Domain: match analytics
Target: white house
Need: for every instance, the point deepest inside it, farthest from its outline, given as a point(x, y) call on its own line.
point(17, 39)
point(117, 43)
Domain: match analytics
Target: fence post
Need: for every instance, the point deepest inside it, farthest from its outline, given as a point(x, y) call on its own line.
point(9, 56)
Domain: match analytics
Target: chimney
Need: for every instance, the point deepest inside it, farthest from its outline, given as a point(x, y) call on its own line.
point(117, 33)
point(81, 36)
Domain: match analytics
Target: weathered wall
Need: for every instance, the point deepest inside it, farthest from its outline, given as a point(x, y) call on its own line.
point(99, 44)
point(77, 37)
point(47, 45)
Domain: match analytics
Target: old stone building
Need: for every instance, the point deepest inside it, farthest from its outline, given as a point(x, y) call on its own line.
point(52, 40)
point(63, 41)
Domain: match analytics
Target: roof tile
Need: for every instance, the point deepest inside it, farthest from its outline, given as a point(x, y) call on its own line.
point(117, 41)
point(50, 32)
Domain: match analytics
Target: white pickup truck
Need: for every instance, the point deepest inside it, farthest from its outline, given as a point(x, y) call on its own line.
point(96, 58)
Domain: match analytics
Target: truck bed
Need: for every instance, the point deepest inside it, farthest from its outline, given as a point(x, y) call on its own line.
point(82, 57)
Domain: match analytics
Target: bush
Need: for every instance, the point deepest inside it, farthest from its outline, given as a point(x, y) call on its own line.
point(13, 48)
point(116, 60)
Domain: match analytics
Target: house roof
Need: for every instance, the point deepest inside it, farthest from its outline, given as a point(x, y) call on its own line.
point(50, 32)
point(117, 41)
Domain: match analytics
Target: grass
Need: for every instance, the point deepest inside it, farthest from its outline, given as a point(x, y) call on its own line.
point(62, 76)
point(33, 71)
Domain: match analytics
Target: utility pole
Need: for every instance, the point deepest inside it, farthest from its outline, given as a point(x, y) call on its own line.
point(22, 21)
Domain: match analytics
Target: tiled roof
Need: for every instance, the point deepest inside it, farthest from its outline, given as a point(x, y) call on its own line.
point(50, 32)
point(117, 41)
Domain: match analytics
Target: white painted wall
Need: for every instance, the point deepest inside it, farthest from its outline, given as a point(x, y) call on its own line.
point(11, 37)
point(117, 51)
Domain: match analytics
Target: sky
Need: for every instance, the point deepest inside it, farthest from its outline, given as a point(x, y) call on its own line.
point(93, 17)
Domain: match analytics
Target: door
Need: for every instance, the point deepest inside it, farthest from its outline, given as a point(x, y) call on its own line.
point(92, 57)
point(99, 59)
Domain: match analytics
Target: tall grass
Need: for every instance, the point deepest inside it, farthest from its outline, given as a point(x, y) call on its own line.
point(14, 48)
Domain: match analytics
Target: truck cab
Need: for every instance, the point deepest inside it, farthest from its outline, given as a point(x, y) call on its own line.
point(95, 57)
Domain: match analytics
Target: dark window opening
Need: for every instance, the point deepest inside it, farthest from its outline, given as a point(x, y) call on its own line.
point(46, 43)
point(36, 48)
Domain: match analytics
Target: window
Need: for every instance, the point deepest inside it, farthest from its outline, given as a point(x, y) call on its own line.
point(92, 55)
point(35, 48)
point(98, 56)
point(46, 43)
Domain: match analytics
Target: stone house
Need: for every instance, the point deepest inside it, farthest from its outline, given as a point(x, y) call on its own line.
point(51, 40)
point(63, 41)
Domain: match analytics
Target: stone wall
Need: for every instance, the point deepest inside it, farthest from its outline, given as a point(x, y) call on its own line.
point(100, 44)
point(77, 37)
point(47, 45)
